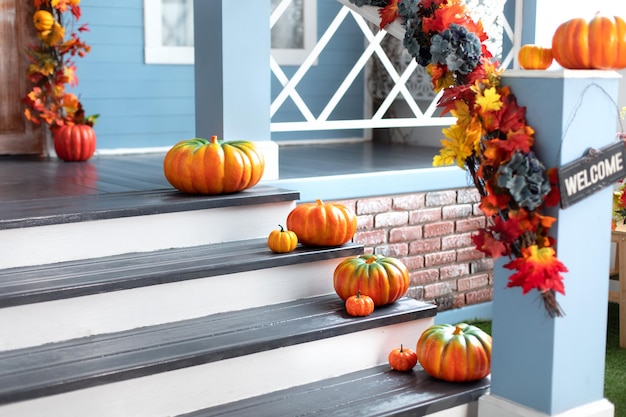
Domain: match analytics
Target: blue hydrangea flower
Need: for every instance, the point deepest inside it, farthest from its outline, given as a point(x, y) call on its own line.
point(525, 177)
point(457, 48)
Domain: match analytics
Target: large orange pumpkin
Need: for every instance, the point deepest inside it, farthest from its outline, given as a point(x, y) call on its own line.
point(384, 279)
point(322, 224)
point(201, 166)
point(597, 44)
point(534, 57)
point(455, 353)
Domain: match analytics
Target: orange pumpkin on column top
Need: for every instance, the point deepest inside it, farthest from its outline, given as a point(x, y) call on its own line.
point(597, 44)
point(322, 224)
point(201, 166)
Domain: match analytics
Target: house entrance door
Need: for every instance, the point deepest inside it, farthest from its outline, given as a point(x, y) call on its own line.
point(17, 135)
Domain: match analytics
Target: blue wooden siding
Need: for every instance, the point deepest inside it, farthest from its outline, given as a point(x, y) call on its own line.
point(153, 105)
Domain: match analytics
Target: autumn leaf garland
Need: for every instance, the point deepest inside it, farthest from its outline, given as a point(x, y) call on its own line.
point(490, 139)
point(52, 65)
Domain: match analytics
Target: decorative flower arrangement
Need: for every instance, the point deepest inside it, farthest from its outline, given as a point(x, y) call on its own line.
point(52, 67)
point(490, 139)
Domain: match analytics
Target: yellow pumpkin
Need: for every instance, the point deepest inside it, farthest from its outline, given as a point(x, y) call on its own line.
point(43, 20)
point(201, 166)
point(534, 57)
point(282, 241)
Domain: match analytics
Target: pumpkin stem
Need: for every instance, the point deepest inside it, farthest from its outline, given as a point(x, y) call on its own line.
point(401, 347)
point(457, 330)
point(214, 139)
point(370, 259)
point(281, 228)
point(319, 202)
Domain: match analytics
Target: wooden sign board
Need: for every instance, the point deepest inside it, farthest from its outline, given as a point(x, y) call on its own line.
point(589, 174)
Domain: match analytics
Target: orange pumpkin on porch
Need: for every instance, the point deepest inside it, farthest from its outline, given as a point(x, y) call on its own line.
point(201, 166)
point(597, 44)
point(322, 224)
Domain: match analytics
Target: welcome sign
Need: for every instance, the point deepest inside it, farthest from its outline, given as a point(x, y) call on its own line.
point(589, 174)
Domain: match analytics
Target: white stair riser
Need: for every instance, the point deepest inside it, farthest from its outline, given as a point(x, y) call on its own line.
point(186, 390)
point(53, 321)
point(93, 239)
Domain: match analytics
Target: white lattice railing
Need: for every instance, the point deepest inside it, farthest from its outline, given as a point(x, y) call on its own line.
point(489, 11)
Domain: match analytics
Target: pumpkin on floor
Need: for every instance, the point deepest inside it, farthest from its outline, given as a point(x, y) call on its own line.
point(384, 279)
point(455, 353)
point(201, 166)
point(322, 224)
point(402, 359)
point(282, 240)
point(74, 142)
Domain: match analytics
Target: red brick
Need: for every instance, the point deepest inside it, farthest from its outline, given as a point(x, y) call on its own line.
point(481, 265)
point(370, 238)
point(392, 218)
point(437, 289)
point(395, 250)
point(365, 222)
point(404, 234)
point(424, 276)
point(453, 271)
point(424, 246)
point(413, 262)
point(459, 301)
point(440, 198)
point(409, 202)
point(373, 205)
point(469, 225)
point(473, 282)
point(351, 204)
point(425, 216)
point(469, 254)
point(416, 293)
point(468, 195)
point(462, 240)
point(480, 296)
point(457, 211)
point(439, 258)
point(438, 229)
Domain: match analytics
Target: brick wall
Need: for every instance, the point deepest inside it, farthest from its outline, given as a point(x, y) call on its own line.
point(431, 233)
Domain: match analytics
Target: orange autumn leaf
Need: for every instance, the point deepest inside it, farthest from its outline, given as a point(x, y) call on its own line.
point(388, 13)
point(539, 269)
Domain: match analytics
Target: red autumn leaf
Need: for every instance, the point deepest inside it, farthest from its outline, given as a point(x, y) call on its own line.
point(508, 230)
point(492, 203)
point(511, 116)
point(487, 244)
point(554, 196)
point(538, 269)
point(388, 13)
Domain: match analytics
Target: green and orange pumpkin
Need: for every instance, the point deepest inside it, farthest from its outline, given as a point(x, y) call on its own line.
point(384, 279)
point(455, 353)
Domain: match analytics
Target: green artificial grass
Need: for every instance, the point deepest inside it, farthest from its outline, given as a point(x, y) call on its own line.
point(615, 368)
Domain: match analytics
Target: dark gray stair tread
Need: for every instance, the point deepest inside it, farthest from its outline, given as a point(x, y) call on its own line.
point(31, 284)
point(80, 363)
point(47, 211)
point(378, 391)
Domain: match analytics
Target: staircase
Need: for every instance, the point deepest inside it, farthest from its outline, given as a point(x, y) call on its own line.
point(161, 304)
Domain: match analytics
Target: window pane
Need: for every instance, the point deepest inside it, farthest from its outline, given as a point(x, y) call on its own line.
point(177, 22)
point(288, 32)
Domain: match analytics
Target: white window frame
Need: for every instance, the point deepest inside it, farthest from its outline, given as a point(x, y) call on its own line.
point(156, 53)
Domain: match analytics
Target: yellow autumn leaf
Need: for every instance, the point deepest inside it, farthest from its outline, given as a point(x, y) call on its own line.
point(489, 100)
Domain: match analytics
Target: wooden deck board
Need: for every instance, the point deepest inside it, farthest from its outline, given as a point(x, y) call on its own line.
point(25, 178)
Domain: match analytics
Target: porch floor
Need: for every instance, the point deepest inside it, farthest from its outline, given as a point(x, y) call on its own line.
point(26, 178)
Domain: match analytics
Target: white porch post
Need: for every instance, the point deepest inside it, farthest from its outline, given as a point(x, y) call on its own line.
point(232, 73)
point(543, 366)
